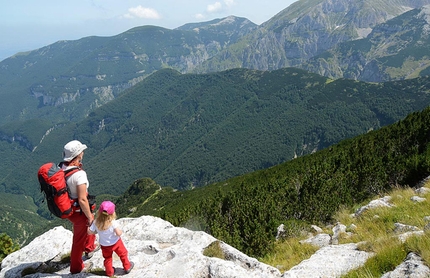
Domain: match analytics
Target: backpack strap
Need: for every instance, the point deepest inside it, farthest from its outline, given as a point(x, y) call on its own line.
point(71, 171)
point(68, 173)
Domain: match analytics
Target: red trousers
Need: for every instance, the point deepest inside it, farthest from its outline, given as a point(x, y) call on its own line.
point(122, 253)
point(82, 241)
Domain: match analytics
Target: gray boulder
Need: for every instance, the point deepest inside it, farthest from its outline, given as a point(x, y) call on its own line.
point(412, 267)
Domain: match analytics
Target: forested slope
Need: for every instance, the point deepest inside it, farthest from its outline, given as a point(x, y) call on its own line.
point(246, 210)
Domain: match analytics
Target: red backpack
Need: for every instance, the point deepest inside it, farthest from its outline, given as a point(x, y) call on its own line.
point(52, 180)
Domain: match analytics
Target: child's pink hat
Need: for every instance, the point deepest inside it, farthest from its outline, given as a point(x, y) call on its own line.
point(107, 206)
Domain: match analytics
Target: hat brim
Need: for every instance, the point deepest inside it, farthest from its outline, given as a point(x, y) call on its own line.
point(76, 153)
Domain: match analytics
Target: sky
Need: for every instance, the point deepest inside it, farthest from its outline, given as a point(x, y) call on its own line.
point(30, 24)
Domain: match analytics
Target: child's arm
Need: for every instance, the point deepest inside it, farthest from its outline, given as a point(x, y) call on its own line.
point(116, 228)
point(118, 231)
point(92, 229)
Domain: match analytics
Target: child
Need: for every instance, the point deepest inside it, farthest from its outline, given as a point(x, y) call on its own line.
point(106, 226)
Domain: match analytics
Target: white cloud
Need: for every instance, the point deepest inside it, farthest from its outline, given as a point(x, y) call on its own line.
point(229, 3)
point(142, 12)
point(218, 6)
point(199, 16)
point(214, 7)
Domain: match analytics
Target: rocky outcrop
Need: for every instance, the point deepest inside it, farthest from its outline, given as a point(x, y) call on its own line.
point(20, 139)
point(157, 248)
point(330, 261)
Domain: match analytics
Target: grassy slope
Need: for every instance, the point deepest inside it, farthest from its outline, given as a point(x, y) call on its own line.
point(374, 232)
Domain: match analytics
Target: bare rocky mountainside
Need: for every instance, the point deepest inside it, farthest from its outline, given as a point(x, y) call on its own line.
point(396, 49)
point(307, 29)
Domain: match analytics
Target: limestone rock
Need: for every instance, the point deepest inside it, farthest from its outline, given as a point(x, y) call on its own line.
point(157, 248)
point(413, 266)
point(417, 199)
point(320, 240)
point(330, 261)
point(382, 202)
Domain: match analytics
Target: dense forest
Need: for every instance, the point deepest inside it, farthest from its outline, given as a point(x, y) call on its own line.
point(245, 211)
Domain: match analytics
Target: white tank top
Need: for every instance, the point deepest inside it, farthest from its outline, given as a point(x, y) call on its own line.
point(77, 178)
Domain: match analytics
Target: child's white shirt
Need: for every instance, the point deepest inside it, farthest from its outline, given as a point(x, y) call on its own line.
point(108, 236)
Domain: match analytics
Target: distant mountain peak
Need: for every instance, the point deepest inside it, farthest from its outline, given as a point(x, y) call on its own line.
point(230, 21)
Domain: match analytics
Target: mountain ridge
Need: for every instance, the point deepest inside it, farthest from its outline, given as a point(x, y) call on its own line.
point(306, 29)
point(393, 50)
point(51, 81)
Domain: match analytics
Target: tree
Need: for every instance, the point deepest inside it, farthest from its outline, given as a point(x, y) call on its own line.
point(7, 246)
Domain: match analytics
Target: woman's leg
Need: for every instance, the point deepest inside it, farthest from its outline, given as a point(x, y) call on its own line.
point(79, 237)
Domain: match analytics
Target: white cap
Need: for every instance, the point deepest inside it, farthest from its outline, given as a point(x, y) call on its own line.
point(72, 150)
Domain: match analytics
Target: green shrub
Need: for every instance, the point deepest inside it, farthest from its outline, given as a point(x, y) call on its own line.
point(7, 246)
point(214, 250)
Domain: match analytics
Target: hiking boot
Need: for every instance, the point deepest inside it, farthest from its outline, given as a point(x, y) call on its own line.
point(127, 271)
point(87, 267)
point(89, 255)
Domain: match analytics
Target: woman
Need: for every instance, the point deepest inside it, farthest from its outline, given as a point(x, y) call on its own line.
point(82, 217)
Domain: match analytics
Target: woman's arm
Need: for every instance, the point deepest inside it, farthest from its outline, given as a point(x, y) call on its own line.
point(83, 202)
